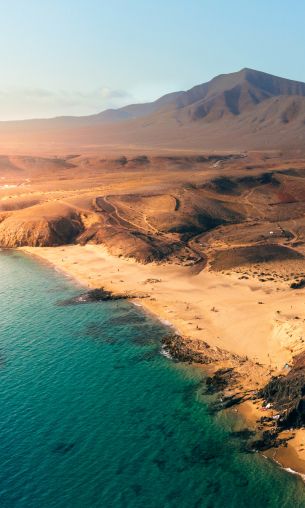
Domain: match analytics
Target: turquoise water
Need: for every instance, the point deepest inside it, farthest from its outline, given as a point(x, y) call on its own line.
point(91, 415)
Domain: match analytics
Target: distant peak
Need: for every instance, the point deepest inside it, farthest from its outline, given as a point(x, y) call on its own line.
point(248, 69)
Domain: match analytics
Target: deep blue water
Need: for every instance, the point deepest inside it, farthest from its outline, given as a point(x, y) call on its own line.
point(92, 415)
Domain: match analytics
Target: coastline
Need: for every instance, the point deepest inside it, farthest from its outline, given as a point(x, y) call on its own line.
point(178, 298)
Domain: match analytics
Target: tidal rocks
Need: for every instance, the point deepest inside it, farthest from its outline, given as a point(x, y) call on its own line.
point(269, 439)
point(220, 380)
point(102, 295)
point(97, 295)
point(183, 349)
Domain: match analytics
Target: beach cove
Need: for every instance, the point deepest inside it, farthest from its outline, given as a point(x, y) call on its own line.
point(91, 271)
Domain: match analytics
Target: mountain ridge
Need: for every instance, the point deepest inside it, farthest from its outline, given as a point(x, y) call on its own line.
point(247, 109)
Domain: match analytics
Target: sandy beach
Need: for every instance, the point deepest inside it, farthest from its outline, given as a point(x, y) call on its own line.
point(240, 316)
point(262, 324)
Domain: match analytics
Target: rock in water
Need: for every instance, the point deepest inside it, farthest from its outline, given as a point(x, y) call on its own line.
point(97, 295)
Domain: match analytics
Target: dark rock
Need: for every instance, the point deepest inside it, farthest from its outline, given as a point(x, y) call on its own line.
point(287, 395)
point(220, 380)
point(227, 402)
point(102, 295)
point(269, 439)
point(97, 295)
point(298, 285)
point(182, 350)
point(63, 447)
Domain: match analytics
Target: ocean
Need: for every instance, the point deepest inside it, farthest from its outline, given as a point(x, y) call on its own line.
point(93, 415)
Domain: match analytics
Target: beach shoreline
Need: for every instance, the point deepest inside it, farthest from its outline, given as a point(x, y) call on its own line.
point(209, 306)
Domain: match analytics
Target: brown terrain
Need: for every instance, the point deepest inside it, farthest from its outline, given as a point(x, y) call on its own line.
point(194, 207)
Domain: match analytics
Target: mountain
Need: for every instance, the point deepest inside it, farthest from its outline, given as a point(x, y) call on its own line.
point(235, 93)
point(225, 94)
point(248, 109)
point(129, 112)
point(135, 110)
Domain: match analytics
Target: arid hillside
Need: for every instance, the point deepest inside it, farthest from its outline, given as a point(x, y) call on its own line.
point(227, 210)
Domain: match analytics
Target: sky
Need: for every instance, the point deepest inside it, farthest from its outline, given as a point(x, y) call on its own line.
point(78, 57)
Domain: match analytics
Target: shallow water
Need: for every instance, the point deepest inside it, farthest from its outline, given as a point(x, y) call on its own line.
point(92, 415)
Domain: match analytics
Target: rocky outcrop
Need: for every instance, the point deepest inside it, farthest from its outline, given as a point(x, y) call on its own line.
point(287, 395)
point(220, 380)
point(98, 295)
point(298, 285)
point(187, 350)
point(268, 439)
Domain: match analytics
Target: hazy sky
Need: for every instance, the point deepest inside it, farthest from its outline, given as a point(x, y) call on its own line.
point(82, 56)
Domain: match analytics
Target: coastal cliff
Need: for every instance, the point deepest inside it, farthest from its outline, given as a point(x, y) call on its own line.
point(40, 226)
